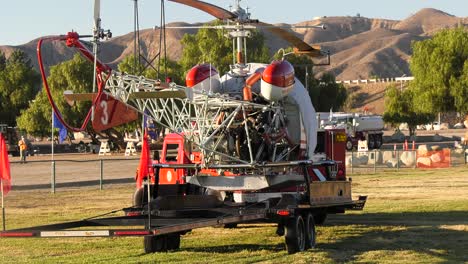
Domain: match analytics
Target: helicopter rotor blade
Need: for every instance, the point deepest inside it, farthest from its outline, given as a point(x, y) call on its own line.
point(300, 47)
point(213, 10)
point(97, 11)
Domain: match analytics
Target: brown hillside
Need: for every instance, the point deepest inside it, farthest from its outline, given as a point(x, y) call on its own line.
point(339, 28)
point(427, 22)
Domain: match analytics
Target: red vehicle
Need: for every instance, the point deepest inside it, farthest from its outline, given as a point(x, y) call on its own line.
point(358, 127)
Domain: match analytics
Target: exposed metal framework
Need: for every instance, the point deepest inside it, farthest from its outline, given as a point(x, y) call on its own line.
point(205, 119)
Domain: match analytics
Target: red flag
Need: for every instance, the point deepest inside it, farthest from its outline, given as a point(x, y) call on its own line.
point(5, 176)
point(145, 161)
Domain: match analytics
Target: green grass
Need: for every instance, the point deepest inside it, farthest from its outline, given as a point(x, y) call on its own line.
point(411, 216)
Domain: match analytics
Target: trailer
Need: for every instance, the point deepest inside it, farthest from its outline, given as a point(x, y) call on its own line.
point(165, 219)
point(184, 194)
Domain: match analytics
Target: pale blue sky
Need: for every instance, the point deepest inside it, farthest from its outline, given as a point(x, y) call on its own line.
point(25, 20)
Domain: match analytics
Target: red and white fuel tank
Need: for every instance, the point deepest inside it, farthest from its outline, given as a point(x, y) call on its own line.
point(203, 77)
point(277, 80)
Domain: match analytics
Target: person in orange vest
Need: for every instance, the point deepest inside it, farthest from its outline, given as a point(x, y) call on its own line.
point(23, 147)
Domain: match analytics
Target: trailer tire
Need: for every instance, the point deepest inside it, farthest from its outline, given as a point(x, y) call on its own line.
point(320, 218)
point(138, 197)
point(310, 231)
point(173, 241)
point(154, 244)
point(295, 235)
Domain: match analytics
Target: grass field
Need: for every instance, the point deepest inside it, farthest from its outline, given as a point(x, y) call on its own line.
point(412, 216)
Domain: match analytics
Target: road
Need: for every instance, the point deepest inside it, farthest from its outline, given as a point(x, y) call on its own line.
point(72, 170)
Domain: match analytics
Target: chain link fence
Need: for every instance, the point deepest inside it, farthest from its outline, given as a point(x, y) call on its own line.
point(384, 160)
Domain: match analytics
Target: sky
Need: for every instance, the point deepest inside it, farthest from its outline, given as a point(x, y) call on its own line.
point(24, 20)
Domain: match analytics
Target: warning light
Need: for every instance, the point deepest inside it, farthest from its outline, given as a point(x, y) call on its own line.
point(283, 212)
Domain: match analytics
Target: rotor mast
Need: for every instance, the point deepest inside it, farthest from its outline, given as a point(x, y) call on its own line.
point(240, 34)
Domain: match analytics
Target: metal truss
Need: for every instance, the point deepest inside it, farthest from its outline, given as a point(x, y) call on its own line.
point(201, 118)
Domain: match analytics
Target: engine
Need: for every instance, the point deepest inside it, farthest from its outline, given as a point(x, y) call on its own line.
point(270, 133)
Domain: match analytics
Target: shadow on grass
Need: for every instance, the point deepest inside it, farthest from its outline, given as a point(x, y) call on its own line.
point(437, 236)
point(434, 234)
point(237, 248)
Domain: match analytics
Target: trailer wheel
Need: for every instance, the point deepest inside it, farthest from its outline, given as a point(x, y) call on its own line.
point(320, 218)
point(173, 241)
point(138, 197)
point(155, 243)
point(349, 144)
point(310, 231)
point(295, 235)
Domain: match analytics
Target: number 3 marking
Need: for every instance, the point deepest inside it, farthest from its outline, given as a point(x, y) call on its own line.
point(105, 115)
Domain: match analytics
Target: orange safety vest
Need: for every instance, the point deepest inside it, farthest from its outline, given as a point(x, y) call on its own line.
point(22, 145)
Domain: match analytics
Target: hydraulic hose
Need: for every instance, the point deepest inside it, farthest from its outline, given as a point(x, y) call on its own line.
point(72, 41)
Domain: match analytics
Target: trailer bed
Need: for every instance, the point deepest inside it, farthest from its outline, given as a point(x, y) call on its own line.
point(135, 222)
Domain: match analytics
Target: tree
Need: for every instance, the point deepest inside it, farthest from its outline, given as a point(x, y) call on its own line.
point(168, 68)
point(19, 83)
point(211, 46)
point(76, 75)
point(324, 93)
point(440, 68)
point(399, 108)
point(327, 94)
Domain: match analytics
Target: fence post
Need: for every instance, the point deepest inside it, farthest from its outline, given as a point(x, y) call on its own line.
point(375, 161)
point(398, 159)
point(450, 158)
point(352, 162)
point(53, 177)
point(101, 171)
point(465, 156)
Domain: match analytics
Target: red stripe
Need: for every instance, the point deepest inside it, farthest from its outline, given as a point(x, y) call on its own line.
point(131, 233)
point(16, 234)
